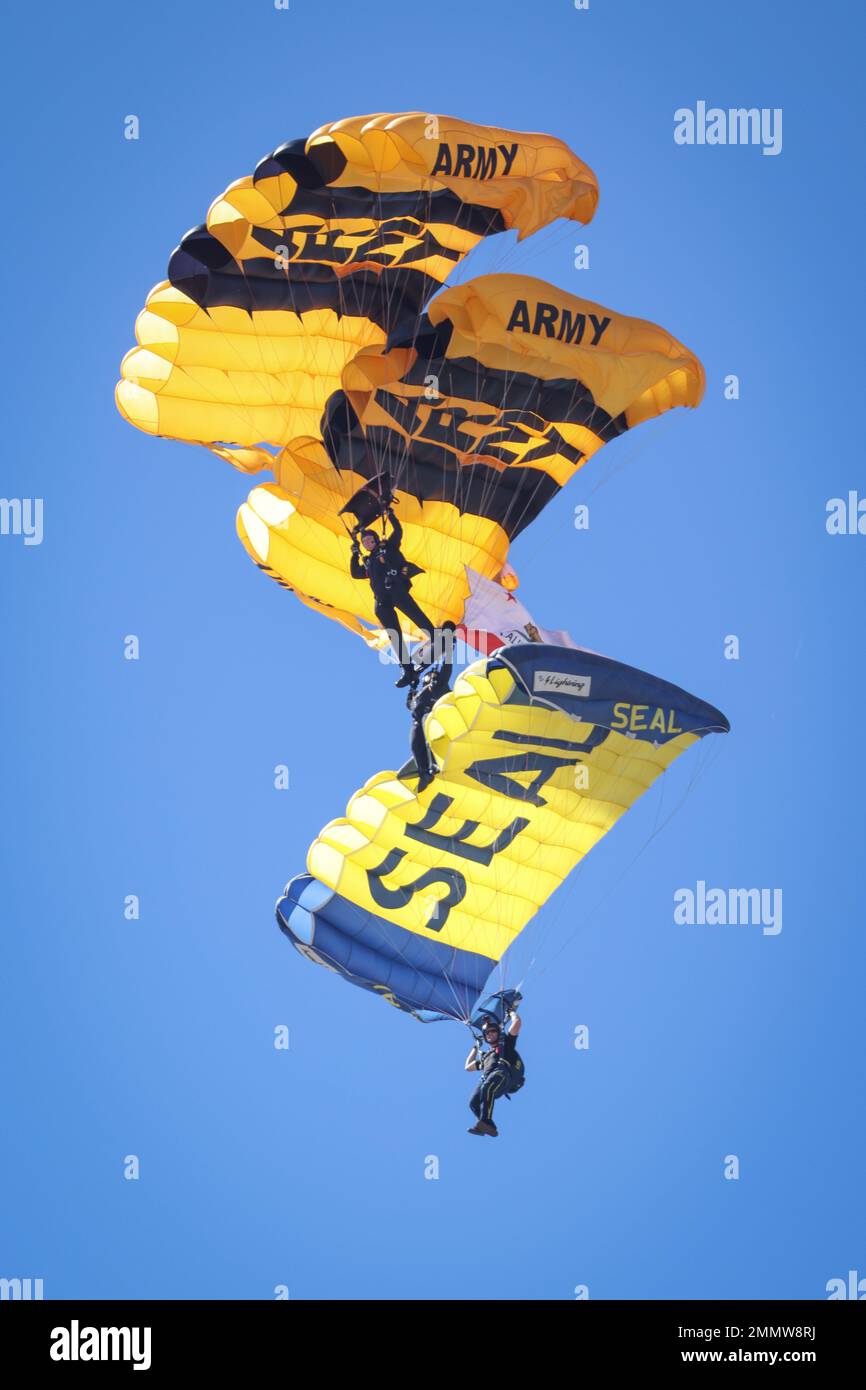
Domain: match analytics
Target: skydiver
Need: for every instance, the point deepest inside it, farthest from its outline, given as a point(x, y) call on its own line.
point(390, 575)
point(420, 700)
point(503, 1071)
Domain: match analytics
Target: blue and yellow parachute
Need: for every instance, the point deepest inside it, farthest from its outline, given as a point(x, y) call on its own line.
point(417, 895)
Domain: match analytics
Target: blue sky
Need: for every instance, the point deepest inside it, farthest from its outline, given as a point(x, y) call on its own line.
point(306, 1168)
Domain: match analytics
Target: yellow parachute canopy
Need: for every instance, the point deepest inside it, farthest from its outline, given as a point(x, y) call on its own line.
point(330, 245)
point(503, 393)
point(505, 390)
point(417, 895)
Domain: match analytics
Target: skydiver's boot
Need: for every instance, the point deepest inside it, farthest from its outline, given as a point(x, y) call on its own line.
point(425, 777)
point(482, 1127)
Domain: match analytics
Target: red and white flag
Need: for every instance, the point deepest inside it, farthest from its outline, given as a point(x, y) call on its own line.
point(494, 618)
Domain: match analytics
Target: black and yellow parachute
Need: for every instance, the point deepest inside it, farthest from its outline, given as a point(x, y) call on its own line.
point(333, 242)
point(498, 396)
point(331, 245)
point(290, 335)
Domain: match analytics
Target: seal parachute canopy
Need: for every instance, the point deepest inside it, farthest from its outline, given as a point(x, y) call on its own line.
point(417, 895)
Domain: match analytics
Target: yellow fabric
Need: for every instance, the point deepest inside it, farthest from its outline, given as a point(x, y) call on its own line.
point(253, 385)
point(466, 728)
point(636, 370)
point(230, 376)
point(514, 324)
point(292, 529)
point(545, 179)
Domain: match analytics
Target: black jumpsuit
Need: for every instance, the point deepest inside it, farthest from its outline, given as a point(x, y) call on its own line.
point(390, 577)
point(503, 1072)
point(433, 684)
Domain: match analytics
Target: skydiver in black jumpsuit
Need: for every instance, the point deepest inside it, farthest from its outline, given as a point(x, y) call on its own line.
point(502, 1066)
point(390, 575)
point(420, 700)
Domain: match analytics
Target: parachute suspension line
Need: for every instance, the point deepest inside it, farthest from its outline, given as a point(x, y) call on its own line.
point(622, 460)
point(704, 761)
point(546, 242)
point(538, 938)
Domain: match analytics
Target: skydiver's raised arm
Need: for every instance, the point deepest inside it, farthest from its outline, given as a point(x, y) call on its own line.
point(471, 1063)
point(356, 569)
point(396, 528)
point(513, 1024)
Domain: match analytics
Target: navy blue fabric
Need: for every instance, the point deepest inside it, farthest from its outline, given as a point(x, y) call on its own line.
point(608, 683)
point(411, 971)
